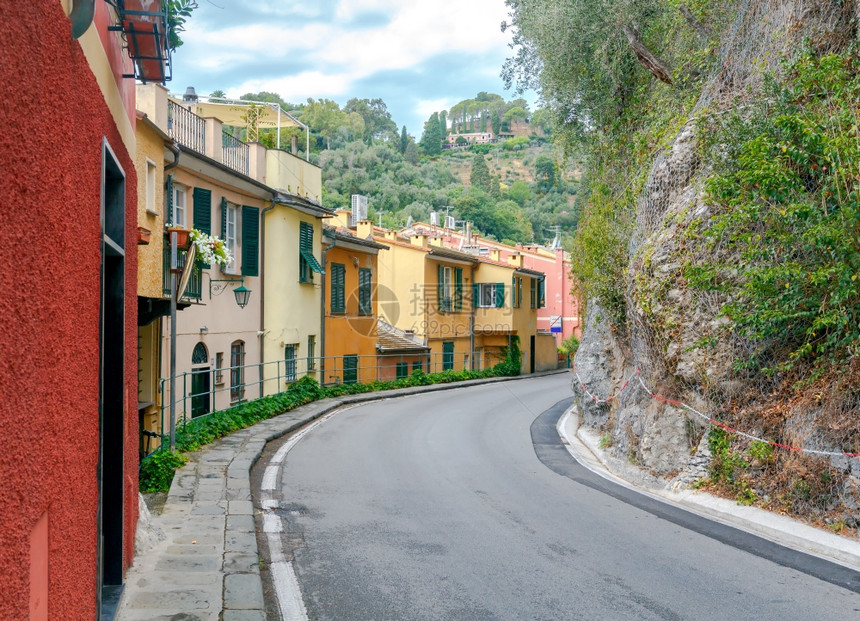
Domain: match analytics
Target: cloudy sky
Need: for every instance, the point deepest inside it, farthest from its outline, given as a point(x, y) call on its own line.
point(418, 56)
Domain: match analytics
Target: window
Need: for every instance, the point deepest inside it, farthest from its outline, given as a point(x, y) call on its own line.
point(307, 262)
point(516, 291)
point(450, 288)
point(365, 301)
point(417, 366)
point(312, 346)
point(541, 293)
point(490, 294)
point(338, 288)
point(237, 371)
point(180, 205)
point(533, 293)
point(350, 369)
point(447, 355)
point(290, 362)
point(402, 370)
point(230, 214)
point(219, 367)
point(151, 170)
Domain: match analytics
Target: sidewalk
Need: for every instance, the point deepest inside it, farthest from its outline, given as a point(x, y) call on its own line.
point(206, 568)
point(583, 443)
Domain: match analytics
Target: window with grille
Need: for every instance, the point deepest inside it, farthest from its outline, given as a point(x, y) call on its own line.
point(290, 362)
point(237, 371)
point(312, 346)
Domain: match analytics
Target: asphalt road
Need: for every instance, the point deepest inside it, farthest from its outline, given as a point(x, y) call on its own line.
point(462, 505)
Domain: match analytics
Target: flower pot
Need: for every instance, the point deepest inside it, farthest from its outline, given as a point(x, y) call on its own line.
point(183, 237)
point(143, 236)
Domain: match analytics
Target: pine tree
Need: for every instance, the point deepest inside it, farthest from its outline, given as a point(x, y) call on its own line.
point(404, 140)
point(431, 141)
point(480, 176)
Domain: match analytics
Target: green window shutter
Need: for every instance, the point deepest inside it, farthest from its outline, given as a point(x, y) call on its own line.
point(338, 280)
point(542, 292)
point(306, 237)
point(532, 293)
point(500, 295)
point(402, 370)
point(458, 288)
point(168, 217)
point(365, 302)
point(250, 241)
point(350, 369)
point(447, 355)
point(203, 210)
point(476, 295)
point(441, 299)
point(223, 218)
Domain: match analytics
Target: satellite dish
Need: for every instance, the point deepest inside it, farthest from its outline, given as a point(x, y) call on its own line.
point(81, 16)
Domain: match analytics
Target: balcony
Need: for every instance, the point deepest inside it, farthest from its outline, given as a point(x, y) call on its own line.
point(146, 37)
point(234, 152)
point(194, 290)
point(185, 127)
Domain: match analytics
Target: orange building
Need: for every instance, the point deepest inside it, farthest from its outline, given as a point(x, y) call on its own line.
point(350, 298)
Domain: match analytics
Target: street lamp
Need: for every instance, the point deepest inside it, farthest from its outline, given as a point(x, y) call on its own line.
point(242, 295)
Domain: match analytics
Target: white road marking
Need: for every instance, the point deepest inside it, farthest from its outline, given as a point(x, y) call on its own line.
point(287, 591)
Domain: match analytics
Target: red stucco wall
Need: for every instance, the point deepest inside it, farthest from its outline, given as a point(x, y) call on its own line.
point(53, 118)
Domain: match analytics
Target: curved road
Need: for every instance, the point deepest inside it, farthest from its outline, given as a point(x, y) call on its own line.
point(462, 505)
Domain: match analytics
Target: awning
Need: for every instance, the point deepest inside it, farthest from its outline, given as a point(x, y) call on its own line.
point(312, 261)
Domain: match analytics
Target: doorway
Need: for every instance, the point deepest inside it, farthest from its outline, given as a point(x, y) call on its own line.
point(201, 373)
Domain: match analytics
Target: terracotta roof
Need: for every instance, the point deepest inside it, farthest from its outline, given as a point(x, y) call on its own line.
point(390, 338)
point(344, 234)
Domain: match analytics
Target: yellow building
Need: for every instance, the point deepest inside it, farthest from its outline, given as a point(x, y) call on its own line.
point(349, 337)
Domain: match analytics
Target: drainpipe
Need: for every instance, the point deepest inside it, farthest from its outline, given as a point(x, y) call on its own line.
point(472, 319)
point(173, 295)
point(263, 286)
point(322, 310)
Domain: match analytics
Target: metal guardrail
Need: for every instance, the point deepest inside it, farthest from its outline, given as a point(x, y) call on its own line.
point(186, 128)
point(235, 153)
point(263, 379)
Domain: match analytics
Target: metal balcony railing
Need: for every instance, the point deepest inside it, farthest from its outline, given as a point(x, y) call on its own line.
point(194, 290)
point(235, 153)
point(186, 128)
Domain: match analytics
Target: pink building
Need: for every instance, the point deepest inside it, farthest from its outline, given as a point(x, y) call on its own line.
point(561, 315)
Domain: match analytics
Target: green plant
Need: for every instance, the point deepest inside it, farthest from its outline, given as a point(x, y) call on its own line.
point(605, 441)
point(157, 470)
point(569, 346)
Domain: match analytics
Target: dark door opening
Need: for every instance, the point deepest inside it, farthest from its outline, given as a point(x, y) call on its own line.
point(532, 353)
point(111, 471)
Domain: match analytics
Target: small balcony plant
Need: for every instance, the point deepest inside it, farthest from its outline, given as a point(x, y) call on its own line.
point(210, 250)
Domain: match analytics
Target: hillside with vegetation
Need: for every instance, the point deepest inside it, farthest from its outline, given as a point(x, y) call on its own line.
point(514, 189)
point(719, 238)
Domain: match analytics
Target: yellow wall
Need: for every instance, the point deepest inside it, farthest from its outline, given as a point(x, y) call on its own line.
point(401, 290)
point(350, 333)
point(150, 147)
point(447, 326)
point(292, 308)
point(546, 352)
point(293, 175)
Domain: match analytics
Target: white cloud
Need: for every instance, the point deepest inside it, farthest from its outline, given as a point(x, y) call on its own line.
point(297, 88)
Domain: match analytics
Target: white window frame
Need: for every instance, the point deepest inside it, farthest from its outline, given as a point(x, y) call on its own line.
point(447, 301)
point(483, 287)
point(231, 228)
point(151, 171)
point(180, 205)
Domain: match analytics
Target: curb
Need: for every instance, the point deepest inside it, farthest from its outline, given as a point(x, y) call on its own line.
point(779, 529)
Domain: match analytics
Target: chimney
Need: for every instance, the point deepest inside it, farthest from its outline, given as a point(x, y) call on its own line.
point(469, 233)
point(364, 229)
point(418, 240)
point(494, 254)
point(516, 260)
point(294, 145)
point(391, 235)
point(343, 217)
point(436, 241)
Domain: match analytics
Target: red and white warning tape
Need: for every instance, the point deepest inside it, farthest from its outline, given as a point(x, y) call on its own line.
point(710, 419)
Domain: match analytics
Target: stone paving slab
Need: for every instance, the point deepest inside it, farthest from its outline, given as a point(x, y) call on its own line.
point(218, 577)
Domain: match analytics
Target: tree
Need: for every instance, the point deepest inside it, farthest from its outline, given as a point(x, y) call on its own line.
point(219, 94)
point(324, 117)
point(404, 140)
point(431, 140)
point(377, 119)
point(443, 124)
point(544, 172)
point(496, 122)
point(480, 175)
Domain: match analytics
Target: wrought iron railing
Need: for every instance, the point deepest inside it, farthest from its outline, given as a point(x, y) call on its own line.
point(186, 128)
point(235, 153)
point(206, 390)
point(194, 289)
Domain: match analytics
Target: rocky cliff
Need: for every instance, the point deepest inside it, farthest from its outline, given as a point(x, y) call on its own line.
point(674, 364)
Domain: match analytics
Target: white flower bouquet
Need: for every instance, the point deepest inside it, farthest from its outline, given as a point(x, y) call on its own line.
point(210, 249)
